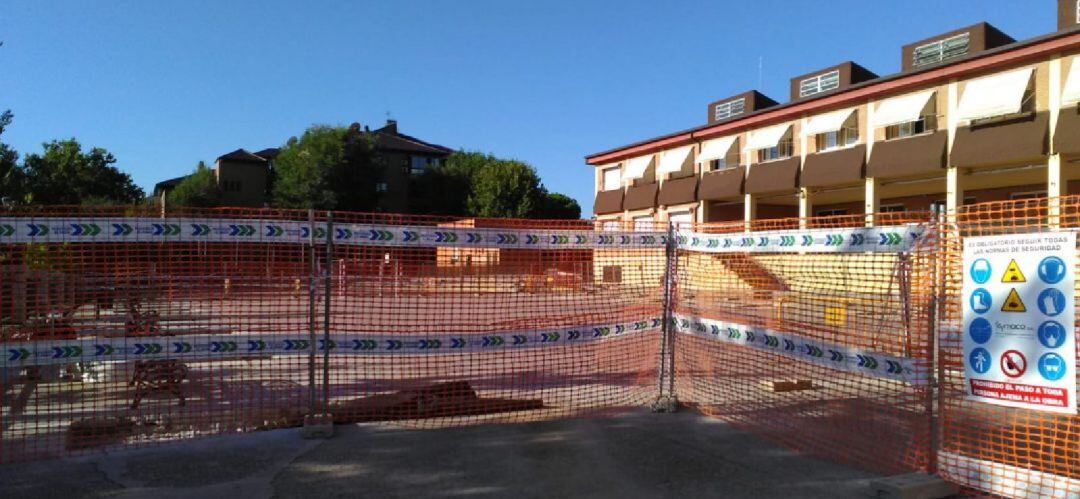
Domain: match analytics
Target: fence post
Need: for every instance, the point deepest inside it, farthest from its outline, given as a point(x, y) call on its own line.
point(328, 272)
point(312, 276)
point(317, 424)
point(668, 402)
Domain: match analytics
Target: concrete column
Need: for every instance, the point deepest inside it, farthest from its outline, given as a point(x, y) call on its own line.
point(805, 206)
point(804, 193)
point(954, 191)
point(871, 194)
point(873, 200)
point(749, 211)
point(1056, 183)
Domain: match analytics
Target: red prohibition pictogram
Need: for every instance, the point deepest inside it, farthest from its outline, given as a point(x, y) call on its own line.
point(1013, 363)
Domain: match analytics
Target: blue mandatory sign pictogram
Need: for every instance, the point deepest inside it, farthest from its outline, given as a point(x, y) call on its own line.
point(1051, 301)
point(980, 330)
point(1051, 334)
point(980, 300)
point(979, 360)
point(1052, 366)
point(981, 271)
point(1052, 270)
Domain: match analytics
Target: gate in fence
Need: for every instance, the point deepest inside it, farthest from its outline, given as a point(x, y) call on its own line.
point(121, 328)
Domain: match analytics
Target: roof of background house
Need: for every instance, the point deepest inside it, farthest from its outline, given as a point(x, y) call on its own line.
point(388, 138)
point(269, 153)
point(242, 156)
point(169, 184)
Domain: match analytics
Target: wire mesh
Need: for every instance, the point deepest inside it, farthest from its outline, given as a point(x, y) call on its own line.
point(124, 328)
point(988, 448)
point(818, 337)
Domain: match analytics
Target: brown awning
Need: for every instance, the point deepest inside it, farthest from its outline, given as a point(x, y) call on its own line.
point(908, 156)
point(608, 202)
point(1002, 141)
point(722, 184)
point(773, 176)
point(679, 191)
point(1067, 134)
point(837, 167)
point(640, 197)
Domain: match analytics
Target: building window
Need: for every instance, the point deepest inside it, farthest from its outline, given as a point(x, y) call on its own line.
point(891, 208)
point(848, 135)
point(230, 185)
point(1027, 195)
point(720, 164)
point(729, 109)
point(820, 83)
point(418, 165)
point(612, 273)
point(927, 122)
point(941, 50)
point(643, 223)
point(681, 219)
point(382, 187)
point(783, 149)
point(832, 213)
point(609, 225)
point(612, 178)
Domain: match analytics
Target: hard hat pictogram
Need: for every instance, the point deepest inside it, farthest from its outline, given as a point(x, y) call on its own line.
point(1013, 303)
point(1013, 273)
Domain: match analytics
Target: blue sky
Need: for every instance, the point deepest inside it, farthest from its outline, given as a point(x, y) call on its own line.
point(164, 84)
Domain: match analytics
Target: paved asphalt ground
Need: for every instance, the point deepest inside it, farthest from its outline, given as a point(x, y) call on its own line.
point(637, 454)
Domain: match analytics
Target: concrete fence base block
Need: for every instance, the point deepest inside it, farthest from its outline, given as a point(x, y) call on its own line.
point(665, 404)
point(918, 485)
point(317, 426)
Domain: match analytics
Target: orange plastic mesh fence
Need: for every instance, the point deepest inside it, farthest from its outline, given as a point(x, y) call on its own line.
point(121, 327)
point(1005, 451)
point(818, 337)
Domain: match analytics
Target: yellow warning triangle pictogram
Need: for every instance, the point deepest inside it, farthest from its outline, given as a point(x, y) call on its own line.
point(1013, 274)
point(1013, 303)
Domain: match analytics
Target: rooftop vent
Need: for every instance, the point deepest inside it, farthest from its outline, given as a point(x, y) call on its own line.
point(736, 105)
point(954, 44)
point(836, 77)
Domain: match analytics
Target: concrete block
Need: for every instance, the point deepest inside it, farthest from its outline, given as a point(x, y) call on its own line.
point(317, 426)
point(665, 404)
point(918, 485)
point(787, 385)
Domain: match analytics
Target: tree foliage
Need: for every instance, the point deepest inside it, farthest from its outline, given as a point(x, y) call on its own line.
point(11, 178)
point(554, 205)
point(199, 189)
point(64, 174)
point(482, 185)
point(504, 189)
point(328, 168)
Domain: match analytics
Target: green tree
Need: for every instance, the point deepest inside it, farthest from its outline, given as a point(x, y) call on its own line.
point(504, 189)
point(445, 189)
point(11, 177)
point(198, 189)
point(557, 206)
point(328, 168)
point(64, 174)
point(472, 183)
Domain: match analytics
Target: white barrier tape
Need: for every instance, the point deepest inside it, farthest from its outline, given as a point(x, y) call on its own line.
point(61, 230)
point(223, 346)
point(806, 349)
point(1004, 479)
point(896, 239)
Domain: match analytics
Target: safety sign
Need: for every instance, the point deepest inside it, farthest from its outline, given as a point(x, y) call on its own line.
point(1018, 320)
